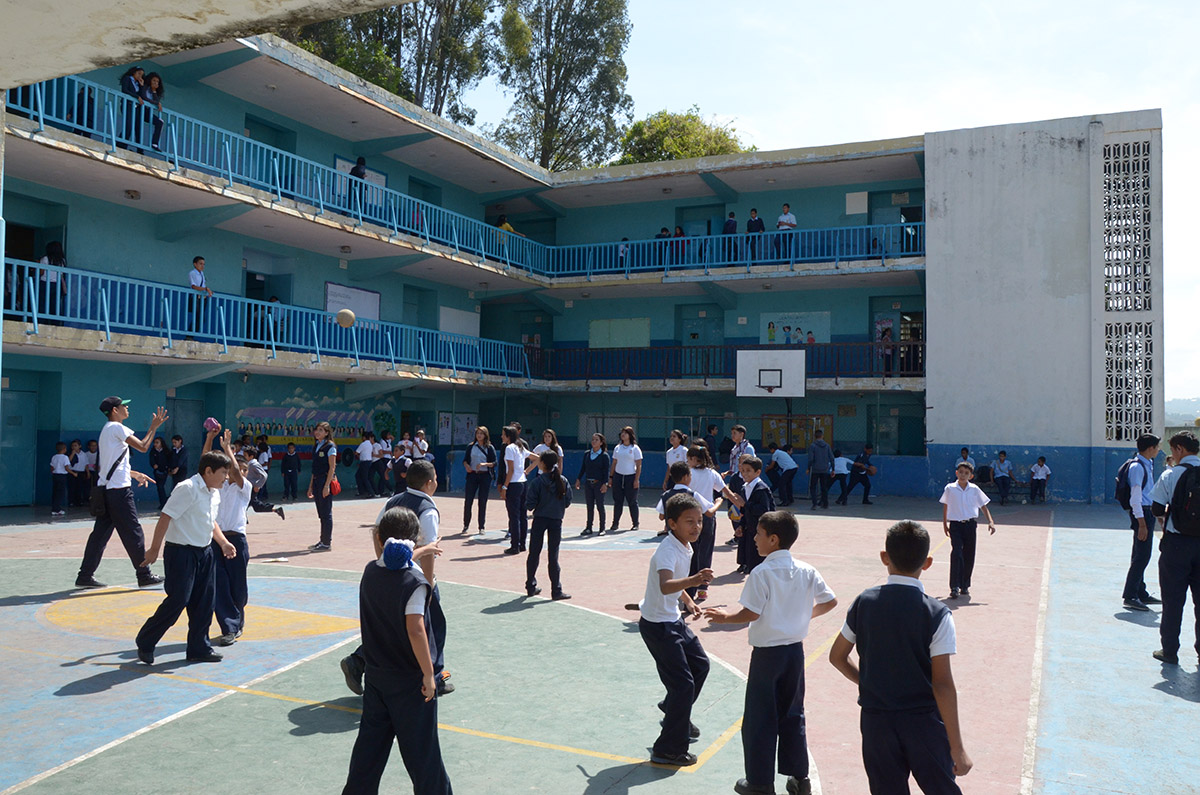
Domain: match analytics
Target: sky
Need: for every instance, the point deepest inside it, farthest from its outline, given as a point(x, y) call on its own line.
point(789, 74)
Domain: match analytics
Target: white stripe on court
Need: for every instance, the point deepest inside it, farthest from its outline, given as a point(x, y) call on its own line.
point(29, 782)
point(1035, 685)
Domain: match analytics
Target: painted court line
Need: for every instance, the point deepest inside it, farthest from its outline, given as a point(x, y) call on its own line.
point(1029, 762)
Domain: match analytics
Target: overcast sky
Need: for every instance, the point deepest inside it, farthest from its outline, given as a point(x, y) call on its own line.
point(791, 74)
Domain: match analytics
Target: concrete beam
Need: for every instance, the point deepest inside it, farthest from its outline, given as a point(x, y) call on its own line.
point(377, 146)
point(362, 390)
point(720, 187)
point(488, 199)
point(171, 227)
point(547, 205)
point(197, 70)
point(170, 376)
point(723, 296)
point(362, 270)
point(551, 305)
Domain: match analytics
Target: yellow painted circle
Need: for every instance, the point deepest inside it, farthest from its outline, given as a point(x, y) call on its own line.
point(119, 614)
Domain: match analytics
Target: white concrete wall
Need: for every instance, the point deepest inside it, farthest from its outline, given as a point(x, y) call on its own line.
point(1010, 267)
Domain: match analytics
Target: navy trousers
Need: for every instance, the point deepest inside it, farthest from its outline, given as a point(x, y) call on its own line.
point(324, 512)
point(962, 554)
point(58, 493)
point(1004, 484)
point(543, 527)
point(895, 744)
point(774, 714)
point(702, 550)
point(818, 489)
point(856, 477)
point(362, 478)
point(682, 667)
point(437, 626)
point(1139, 558)
point(595, 501)
point(1178, 572)
point(518, 519)
point(290, 481)
point(624, 494)
point(122, 516)
point(394, 710)
point(786, 482)
point(190, 585)
point(1037, 488)
point(477, 483)
point(231, 591)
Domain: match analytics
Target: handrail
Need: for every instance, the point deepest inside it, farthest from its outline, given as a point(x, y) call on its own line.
point(71, 103)
point(152, 308)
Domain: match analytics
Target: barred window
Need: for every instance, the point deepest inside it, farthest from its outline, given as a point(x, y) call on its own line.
point(1128, 242)
point(1129, 380)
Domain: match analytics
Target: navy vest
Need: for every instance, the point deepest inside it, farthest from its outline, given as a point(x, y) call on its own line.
point(385, 642)
point(417, 503)
point(893, 627)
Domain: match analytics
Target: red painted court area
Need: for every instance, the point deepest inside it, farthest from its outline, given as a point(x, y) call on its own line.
point(996, 628)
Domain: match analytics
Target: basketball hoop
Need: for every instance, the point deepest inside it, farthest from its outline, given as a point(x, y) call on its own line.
point(770, 379)
point(769, 389)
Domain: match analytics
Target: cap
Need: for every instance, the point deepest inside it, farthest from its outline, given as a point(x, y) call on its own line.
point(110, 403)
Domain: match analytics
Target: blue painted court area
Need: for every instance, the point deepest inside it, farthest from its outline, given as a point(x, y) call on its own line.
point(70, 670)
point(1112, 718)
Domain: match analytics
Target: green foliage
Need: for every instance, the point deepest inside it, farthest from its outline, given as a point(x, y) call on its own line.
point(429, 52)
point(677, 136)
point(564, 62)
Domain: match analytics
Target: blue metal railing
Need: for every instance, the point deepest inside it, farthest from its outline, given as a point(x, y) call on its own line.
point(41, 294)
point(89, 109)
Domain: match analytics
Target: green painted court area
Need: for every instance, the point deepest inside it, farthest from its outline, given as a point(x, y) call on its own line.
point(550, 698)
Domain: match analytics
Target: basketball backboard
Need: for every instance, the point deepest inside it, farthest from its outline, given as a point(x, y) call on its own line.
point(776, 372)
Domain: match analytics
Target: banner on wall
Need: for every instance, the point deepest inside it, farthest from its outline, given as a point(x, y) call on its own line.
point(793, 328)
point(284, 426)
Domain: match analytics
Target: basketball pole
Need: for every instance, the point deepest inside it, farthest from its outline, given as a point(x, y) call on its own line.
point(788, 403)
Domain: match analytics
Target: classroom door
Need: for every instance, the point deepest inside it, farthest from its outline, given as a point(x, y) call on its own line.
point(18, 447)
point(186, 418)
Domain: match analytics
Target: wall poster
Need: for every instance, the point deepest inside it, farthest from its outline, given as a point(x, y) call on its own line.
point(793, 328)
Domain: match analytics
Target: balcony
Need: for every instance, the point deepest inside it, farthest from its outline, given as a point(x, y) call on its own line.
point(41, 295)
point(104, 114)
point(835, 360)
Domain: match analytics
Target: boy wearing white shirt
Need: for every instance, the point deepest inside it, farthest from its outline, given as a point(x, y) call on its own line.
point(1039, 473)
point(365, 454)
point(785, 223)
point(1002, 470)
point(841, 471)
point(231, 591)
point(188, 524)
point(779, 599)
point(59, 466)
point(682, 664)
point(961, 502)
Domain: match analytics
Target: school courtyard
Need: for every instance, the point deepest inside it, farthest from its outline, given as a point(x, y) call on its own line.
point(1057, 689)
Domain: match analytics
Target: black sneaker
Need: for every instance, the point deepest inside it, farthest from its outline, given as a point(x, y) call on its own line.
point(744, 787)
point(587, 531)
point(228, 639)
point(953, 593)
point(693, 729)
point(211, 657)
point(799, 786)
point(1166, 657)
point(88, 582)
point(559, 596)
point(146, 657)
point(149, 581)
point(966, 593)
point(352, 669)
point(319, 547)
point(443, 684)
point(534, 591)
point(1136, 604)
point(511, 551)
point(279, 510)
point(1151, 600)
point(674, 760)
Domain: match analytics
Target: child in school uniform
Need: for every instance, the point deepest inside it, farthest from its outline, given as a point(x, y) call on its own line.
point(676, 452)
point(76, 472)
point(418, 498)
point(735, 484)
point(399, 697)
point(93, 464)
point(756, 500)
point(290, 468)
point(188, 524)
point(707, 481)
point(264, 457)
point(179, 460)
point(593, 479)
point(680, 476)
point(160, 466)
point(1002, 471)
point(512, 481)
point(365, 455)
point(60, 465)
point(1039, 473)
point(779, 599)
point(961, 502)
point(841, 472)
point(256, 473)
point(906, 690)
point(547, 497)
point(682, 664)
point(230, 585)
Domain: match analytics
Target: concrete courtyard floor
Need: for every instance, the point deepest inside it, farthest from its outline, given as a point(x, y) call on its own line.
point(1057, 689)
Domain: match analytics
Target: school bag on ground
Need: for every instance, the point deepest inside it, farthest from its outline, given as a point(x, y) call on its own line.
point(1185, 502)
point(1123, 490)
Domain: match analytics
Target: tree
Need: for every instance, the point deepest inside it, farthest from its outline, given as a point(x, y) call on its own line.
point(430, 52)
point(564, 61)
point(677, 136)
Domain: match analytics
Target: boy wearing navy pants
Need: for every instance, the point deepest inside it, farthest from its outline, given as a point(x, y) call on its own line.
point(906, 690)
point(779, 599)
point(682, 663)
point(961, 503)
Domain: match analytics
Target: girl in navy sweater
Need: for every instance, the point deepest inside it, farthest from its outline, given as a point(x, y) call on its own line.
point(548, 496)
point(593, 473)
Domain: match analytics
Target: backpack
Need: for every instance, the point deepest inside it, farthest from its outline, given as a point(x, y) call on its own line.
point(1122, 491)
point(1185, 502)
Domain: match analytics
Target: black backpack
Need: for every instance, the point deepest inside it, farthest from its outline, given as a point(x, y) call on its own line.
point(1185, 502)
point(1123, 490)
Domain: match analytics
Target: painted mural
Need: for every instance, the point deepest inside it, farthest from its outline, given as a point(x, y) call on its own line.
point(793, 328)
point(293, 420)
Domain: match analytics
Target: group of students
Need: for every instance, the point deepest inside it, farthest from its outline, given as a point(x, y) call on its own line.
point(379, 459)
point(72, 473)
point(1002, 473)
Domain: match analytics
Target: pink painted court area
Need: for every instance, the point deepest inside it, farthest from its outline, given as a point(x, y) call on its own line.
point(551, 697)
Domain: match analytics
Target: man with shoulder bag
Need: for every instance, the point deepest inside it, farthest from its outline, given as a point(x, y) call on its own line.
point(111, 500)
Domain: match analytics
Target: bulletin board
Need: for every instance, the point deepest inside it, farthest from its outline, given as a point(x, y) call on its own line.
point(800, 433)
point(364, 303)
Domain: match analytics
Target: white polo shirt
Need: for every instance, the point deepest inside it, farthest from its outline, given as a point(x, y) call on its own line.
point(514, 453)
point(114, 441)
point(676, 557)
point(841, 465)
point(231, 515)
point(784, 460)
point(785, 218)
point(707, 481)
point(676, 454)
point(782, 590)
point(193, 509)
point(705, 503)
point(59, 463)
point(197, 278)
point(626, 456)
point(962, 505)
point(365, 450)
point(430, 520)
point(1040, 471)
point(945, 639)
